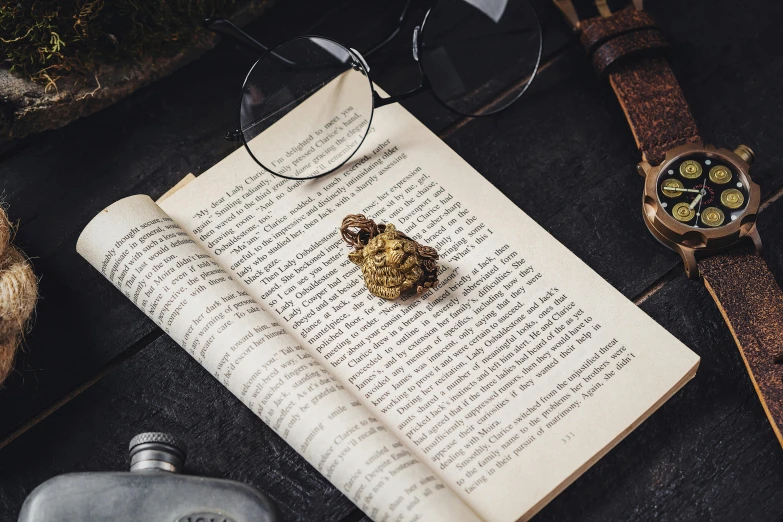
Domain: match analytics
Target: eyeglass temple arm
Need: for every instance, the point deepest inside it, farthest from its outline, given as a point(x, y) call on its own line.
point(226, 28)
point(380, 102)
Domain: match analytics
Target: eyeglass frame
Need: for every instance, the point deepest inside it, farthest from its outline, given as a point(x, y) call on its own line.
point(226, 28)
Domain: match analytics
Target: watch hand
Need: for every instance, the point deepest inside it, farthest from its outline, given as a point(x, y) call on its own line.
point(682, 189)
point(696, 200)
point(703, 193)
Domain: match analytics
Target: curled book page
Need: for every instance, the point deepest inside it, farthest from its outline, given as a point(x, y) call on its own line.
point(147, 256)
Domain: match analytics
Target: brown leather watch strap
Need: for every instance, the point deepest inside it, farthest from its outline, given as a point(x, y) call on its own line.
point(654, 106)
point(629, 49)
point(597, 30)
point(635, 43)
point(751, 302)
point(621, 36)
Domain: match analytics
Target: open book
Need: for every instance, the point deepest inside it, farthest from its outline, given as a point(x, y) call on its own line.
point(480, 399)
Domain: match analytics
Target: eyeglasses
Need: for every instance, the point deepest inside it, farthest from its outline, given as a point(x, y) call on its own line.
point(477, 57)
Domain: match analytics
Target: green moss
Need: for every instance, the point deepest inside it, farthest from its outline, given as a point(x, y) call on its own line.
point(50, 39)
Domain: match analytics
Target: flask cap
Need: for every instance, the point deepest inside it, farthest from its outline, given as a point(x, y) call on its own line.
point(156, 451)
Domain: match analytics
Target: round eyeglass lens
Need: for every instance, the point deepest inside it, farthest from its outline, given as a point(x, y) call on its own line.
point(306, 107)
point(480, 55)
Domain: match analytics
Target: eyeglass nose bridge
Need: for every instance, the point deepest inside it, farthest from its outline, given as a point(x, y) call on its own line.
point(424, 84)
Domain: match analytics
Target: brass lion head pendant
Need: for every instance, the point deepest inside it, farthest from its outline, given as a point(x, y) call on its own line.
point(391, 262)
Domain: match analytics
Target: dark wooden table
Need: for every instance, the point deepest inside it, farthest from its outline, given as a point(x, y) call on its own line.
point(95, 371)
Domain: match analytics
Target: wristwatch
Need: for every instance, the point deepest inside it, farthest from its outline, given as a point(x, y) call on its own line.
point(698, 200)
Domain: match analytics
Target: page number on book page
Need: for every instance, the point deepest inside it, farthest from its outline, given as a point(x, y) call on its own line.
point(568, 437)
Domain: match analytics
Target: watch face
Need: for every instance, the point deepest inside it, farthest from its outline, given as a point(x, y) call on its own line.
point(703, 191)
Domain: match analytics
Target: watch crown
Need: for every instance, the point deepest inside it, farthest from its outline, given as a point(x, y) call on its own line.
point(643, 168)
point(746, 153)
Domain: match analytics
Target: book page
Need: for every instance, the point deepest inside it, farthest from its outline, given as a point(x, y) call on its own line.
point(510, 378)
point(171, 279)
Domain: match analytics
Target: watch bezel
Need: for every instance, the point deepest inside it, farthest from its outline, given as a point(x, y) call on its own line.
point(692, 242)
